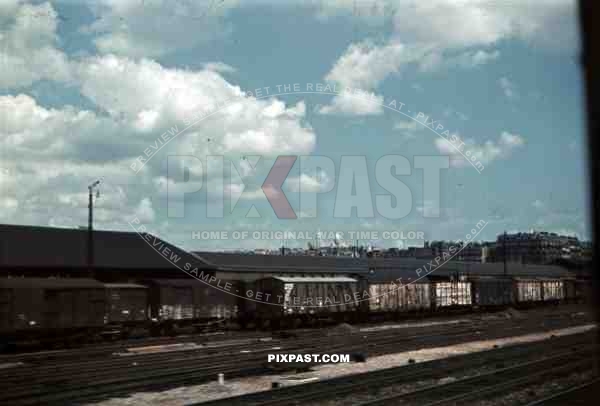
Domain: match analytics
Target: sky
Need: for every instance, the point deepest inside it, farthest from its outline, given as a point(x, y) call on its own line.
point(364, 93)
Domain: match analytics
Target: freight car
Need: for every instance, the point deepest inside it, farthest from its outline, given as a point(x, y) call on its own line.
point(30, 308)
point(295, 300)
point(391, 299)
point(183, 303)
point(85, 309)
point(491, 292)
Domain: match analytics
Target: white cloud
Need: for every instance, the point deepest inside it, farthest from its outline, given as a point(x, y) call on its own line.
point(29, 45)
point(364, 65)
point(307, 183)
point(486, 153)
point(152, 28)
point(347, 103)
point(145, 95)
point(52, 154)
point(444, 33)
point(508, 88)
point(144, 211)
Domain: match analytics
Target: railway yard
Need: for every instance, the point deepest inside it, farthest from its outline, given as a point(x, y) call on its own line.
point(531, 354)
point(134, 329)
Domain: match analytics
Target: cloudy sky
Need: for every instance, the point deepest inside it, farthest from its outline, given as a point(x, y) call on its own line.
point(87, 87)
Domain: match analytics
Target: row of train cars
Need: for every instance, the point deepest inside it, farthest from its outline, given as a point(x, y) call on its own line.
point(52, 310)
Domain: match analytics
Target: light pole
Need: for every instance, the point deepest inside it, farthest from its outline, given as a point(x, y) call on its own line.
point(504, 252)
point(90, 259)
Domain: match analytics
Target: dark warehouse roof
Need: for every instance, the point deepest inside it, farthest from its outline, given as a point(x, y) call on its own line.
point(287, 263)
point(408, 267)
point(49, 247)
point(50, 283)
point(385, 269)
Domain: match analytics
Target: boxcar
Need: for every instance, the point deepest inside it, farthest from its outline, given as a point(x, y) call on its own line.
point(452, 293)
point(126, 303)
point(552, 290)
point(491, 291)
point(188, 299)
point(583, 290)
point(213, 303)
point(570, 289)
point(391, 297)
point(299, 295)
point(528, 290)
point(39, 306)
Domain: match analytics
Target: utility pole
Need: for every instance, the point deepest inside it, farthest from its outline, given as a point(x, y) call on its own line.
point(90, 259)
point(504, 252)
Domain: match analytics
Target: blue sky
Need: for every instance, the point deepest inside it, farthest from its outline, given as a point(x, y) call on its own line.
point(88, 86)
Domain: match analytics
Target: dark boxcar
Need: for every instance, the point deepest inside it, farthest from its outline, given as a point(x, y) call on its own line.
point(282, 296)
point(38, 305)
point(171, 299)
point(570, 289)
point(190, 299)
point(126, 302)
point(217, 302)
point(492, 291)
point(583, 290)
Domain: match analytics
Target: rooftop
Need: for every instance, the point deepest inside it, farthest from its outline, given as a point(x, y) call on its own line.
point(51, 247)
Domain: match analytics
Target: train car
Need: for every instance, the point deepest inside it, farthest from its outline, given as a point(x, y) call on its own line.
point(552, 290)
point(492, 291)
point(126, 303)
point(176, 303)
point(393, 298)
point(570, 290)
point(583, 289)
point(452, 293)
point(214, 303)
point(42, 308)
point(536, 290)
point(527, 290)
point(302, 297)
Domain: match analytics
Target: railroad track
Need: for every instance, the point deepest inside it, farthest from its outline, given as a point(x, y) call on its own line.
point(490, 384)
point(496, 359)
point(373, 343)
point(99, 349)
point(67, 382)
point(583, 394)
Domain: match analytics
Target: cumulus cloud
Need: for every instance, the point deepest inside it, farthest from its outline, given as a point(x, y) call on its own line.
point(153, 28)
point(28, 45)
point(54, 153)
point(444, 33)
point(485, 153)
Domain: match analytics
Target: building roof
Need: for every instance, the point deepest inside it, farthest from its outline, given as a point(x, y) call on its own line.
point(317, 279)
point(124, 286)
point(284, 263)
point(49, 283)
point(382, 268)
point(49, 247)
point(408, 267)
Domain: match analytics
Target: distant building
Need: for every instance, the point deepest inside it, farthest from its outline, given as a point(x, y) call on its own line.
point(534, 247)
